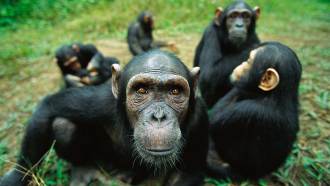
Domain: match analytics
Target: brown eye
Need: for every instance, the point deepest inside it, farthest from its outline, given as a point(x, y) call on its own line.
point(245, 15)
point(142, 91)
point(175, 91)
point(233, 15)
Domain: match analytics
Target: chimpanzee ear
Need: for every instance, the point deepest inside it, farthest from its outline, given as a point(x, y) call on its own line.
point(218, 12)
point(269, 80)
point(195, 75)
point(115, 69)
point(256, 10)
point(76, 48)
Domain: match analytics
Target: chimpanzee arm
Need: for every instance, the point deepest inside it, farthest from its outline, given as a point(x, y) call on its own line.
point(86, 53)
point(207, 57)
point(198, 52)
point(96, 58)
point(72, 81)
point(104, 70)
point(88, 50)
point(222, 103)
point(133, 40)
point(211, 51)
point(71, 104)
point(100, 78)
point(102, 66)
point(244, 113)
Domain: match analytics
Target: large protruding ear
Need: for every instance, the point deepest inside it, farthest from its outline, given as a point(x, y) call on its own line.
point(269, 80)
point(218, 12)
point(195, 75)
point(256, 10)
point(115, 69)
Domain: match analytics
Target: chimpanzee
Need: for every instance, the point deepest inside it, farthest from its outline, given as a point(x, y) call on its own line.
point(139, 35)
point(99, 68)
point(255, 125)
point(226, 42)
point(146, 121)
point(74, 59)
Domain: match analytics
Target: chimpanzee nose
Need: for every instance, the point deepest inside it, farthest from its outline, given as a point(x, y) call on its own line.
point(239, 23)
point(159, 114)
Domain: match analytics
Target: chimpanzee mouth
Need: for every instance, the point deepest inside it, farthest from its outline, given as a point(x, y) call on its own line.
point(158, 159)
point(160, 152)
point(154, 154)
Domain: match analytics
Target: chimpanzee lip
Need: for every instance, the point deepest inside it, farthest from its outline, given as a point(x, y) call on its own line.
point(160, 152)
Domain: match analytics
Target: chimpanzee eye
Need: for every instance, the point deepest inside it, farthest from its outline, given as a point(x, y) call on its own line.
point(246, 15)
point(175, 91)
point(142, 90)
point(233, 15)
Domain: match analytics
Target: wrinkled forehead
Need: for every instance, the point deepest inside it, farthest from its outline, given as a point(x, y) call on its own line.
point(158, 80)
point(158, 65)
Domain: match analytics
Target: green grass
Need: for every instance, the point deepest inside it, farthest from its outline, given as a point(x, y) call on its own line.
point(30, 31)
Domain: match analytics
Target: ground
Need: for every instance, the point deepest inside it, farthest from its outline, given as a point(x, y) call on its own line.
point(306, 30)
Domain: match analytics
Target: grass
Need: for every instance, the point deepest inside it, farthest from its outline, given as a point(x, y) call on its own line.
point(30, 33)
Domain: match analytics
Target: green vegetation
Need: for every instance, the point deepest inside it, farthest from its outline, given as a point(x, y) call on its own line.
point(30, 31)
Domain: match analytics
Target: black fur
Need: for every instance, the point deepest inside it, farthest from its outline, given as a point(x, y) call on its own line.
point(103, 134)
point(217, 56)
point(139, 35)
point(254, 130)
point(85, 55)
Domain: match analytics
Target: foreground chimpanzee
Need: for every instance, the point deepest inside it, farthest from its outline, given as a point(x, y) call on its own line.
point(83, 65)
point(139, 35)
point(255, 125)
point(226, 42)
point(148, 114)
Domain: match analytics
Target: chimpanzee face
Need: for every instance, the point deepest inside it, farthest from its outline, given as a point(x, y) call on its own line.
point(157, 101)
point(239, 17)
point(72, 63)
point(244, 68)
point(270, 77)
point(238, 22)
point(148, 20)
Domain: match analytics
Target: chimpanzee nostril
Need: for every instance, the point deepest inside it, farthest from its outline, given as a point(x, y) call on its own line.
point(159, 114)
point(239, 25)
